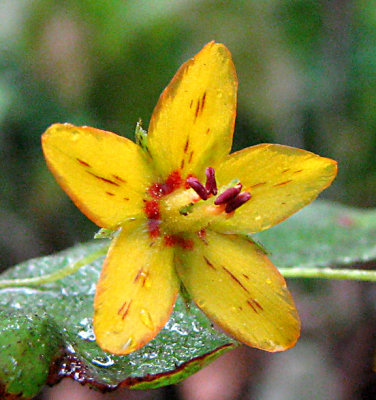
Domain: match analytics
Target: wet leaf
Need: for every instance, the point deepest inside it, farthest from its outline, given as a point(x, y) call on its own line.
point(323, 234)
point(46, 333)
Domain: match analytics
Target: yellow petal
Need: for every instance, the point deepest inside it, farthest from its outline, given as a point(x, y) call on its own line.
point(135, 294)
point(239, 288)
point(193, 121)
point(281, 180)
point(104, 174)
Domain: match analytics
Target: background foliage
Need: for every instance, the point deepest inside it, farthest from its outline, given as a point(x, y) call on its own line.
point(306, 78)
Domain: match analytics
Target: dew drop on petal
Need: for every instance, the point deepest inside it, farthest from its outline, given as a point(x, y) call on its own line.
point(127, 344)
point(147, 282)
point(200, 303)
point(143, 275)
point(146, 319)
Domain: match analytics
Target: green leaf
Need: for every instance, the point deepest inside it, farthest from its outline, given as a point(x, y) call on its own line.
point(46, 333)
point(323, 235)
point(29, 343)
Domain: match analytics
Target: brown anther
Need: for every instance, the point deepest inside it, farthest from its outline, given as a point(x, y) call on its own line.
point(211, 184)
point(228, 194)
point(198, 187)
point(236, 202)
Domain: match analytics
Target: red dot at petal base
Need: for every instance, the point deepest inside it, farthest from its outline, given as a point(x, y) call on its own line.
point(174, 181)
point(175, 240)
point(152, 209)
point(154, 230)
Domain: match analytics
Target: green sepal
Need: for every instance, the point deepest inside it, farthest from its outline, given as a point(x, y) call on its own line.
point(141, 136)
point(105, 233)
point(185, 296)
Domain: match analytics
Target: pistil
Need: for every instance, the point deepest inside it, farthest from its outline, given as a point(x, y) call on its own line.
point(198, 187)
point(194, 209)
point(211, 183)
point(230, 199)
point(228, 195)
point(236, 202)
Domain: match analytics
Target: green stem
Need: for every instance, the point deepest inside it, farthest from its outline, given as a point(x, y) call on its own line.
point(329, 273)
point(311, 273)
point(55, 276)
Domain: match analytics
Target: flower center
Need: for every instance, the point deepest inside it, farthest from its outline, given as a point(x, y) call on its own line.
point(231, 198)
point(177, 206)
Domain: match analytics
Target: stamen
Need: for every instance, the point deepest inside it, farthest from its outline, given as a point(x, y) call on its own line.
point(211, 184)
point(228, 194)
point(239, 200)
point(198, 187)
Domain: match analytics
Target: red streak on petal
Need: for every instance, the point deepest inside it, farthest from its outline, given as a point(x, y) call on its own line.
point(202, 233)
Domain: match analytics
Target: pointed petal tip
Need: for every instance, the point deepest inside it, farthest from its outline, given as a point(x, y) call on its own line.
point(57, 126)
point(288, 345)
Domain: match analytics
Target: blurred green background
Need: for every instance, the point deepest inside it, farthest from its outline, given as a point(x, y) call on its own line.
point(307, 78)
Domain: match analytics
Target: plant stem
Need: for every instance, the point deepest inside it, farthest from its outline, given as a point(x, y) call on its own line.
point(294, 272)
point(329, 273)
point(55, 276)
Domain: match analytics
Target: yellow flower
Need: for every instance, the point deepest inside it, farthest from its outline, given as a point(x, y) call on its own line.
point(185, 208)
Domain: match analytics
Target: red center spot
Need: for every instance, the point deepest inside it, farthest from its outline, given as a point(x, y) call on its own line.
point(173, 182)
point(201, 234)
point(152, 212)
point(157, 190)
point(175, 240)
point(153, 226)
point(152, 209)
point(170, 240)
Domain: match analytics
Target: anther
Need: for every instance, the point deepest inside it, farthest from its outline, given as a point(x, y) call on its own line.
point(198, 187)
point(236, 202)
point(211, 184)
point(228, 194)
